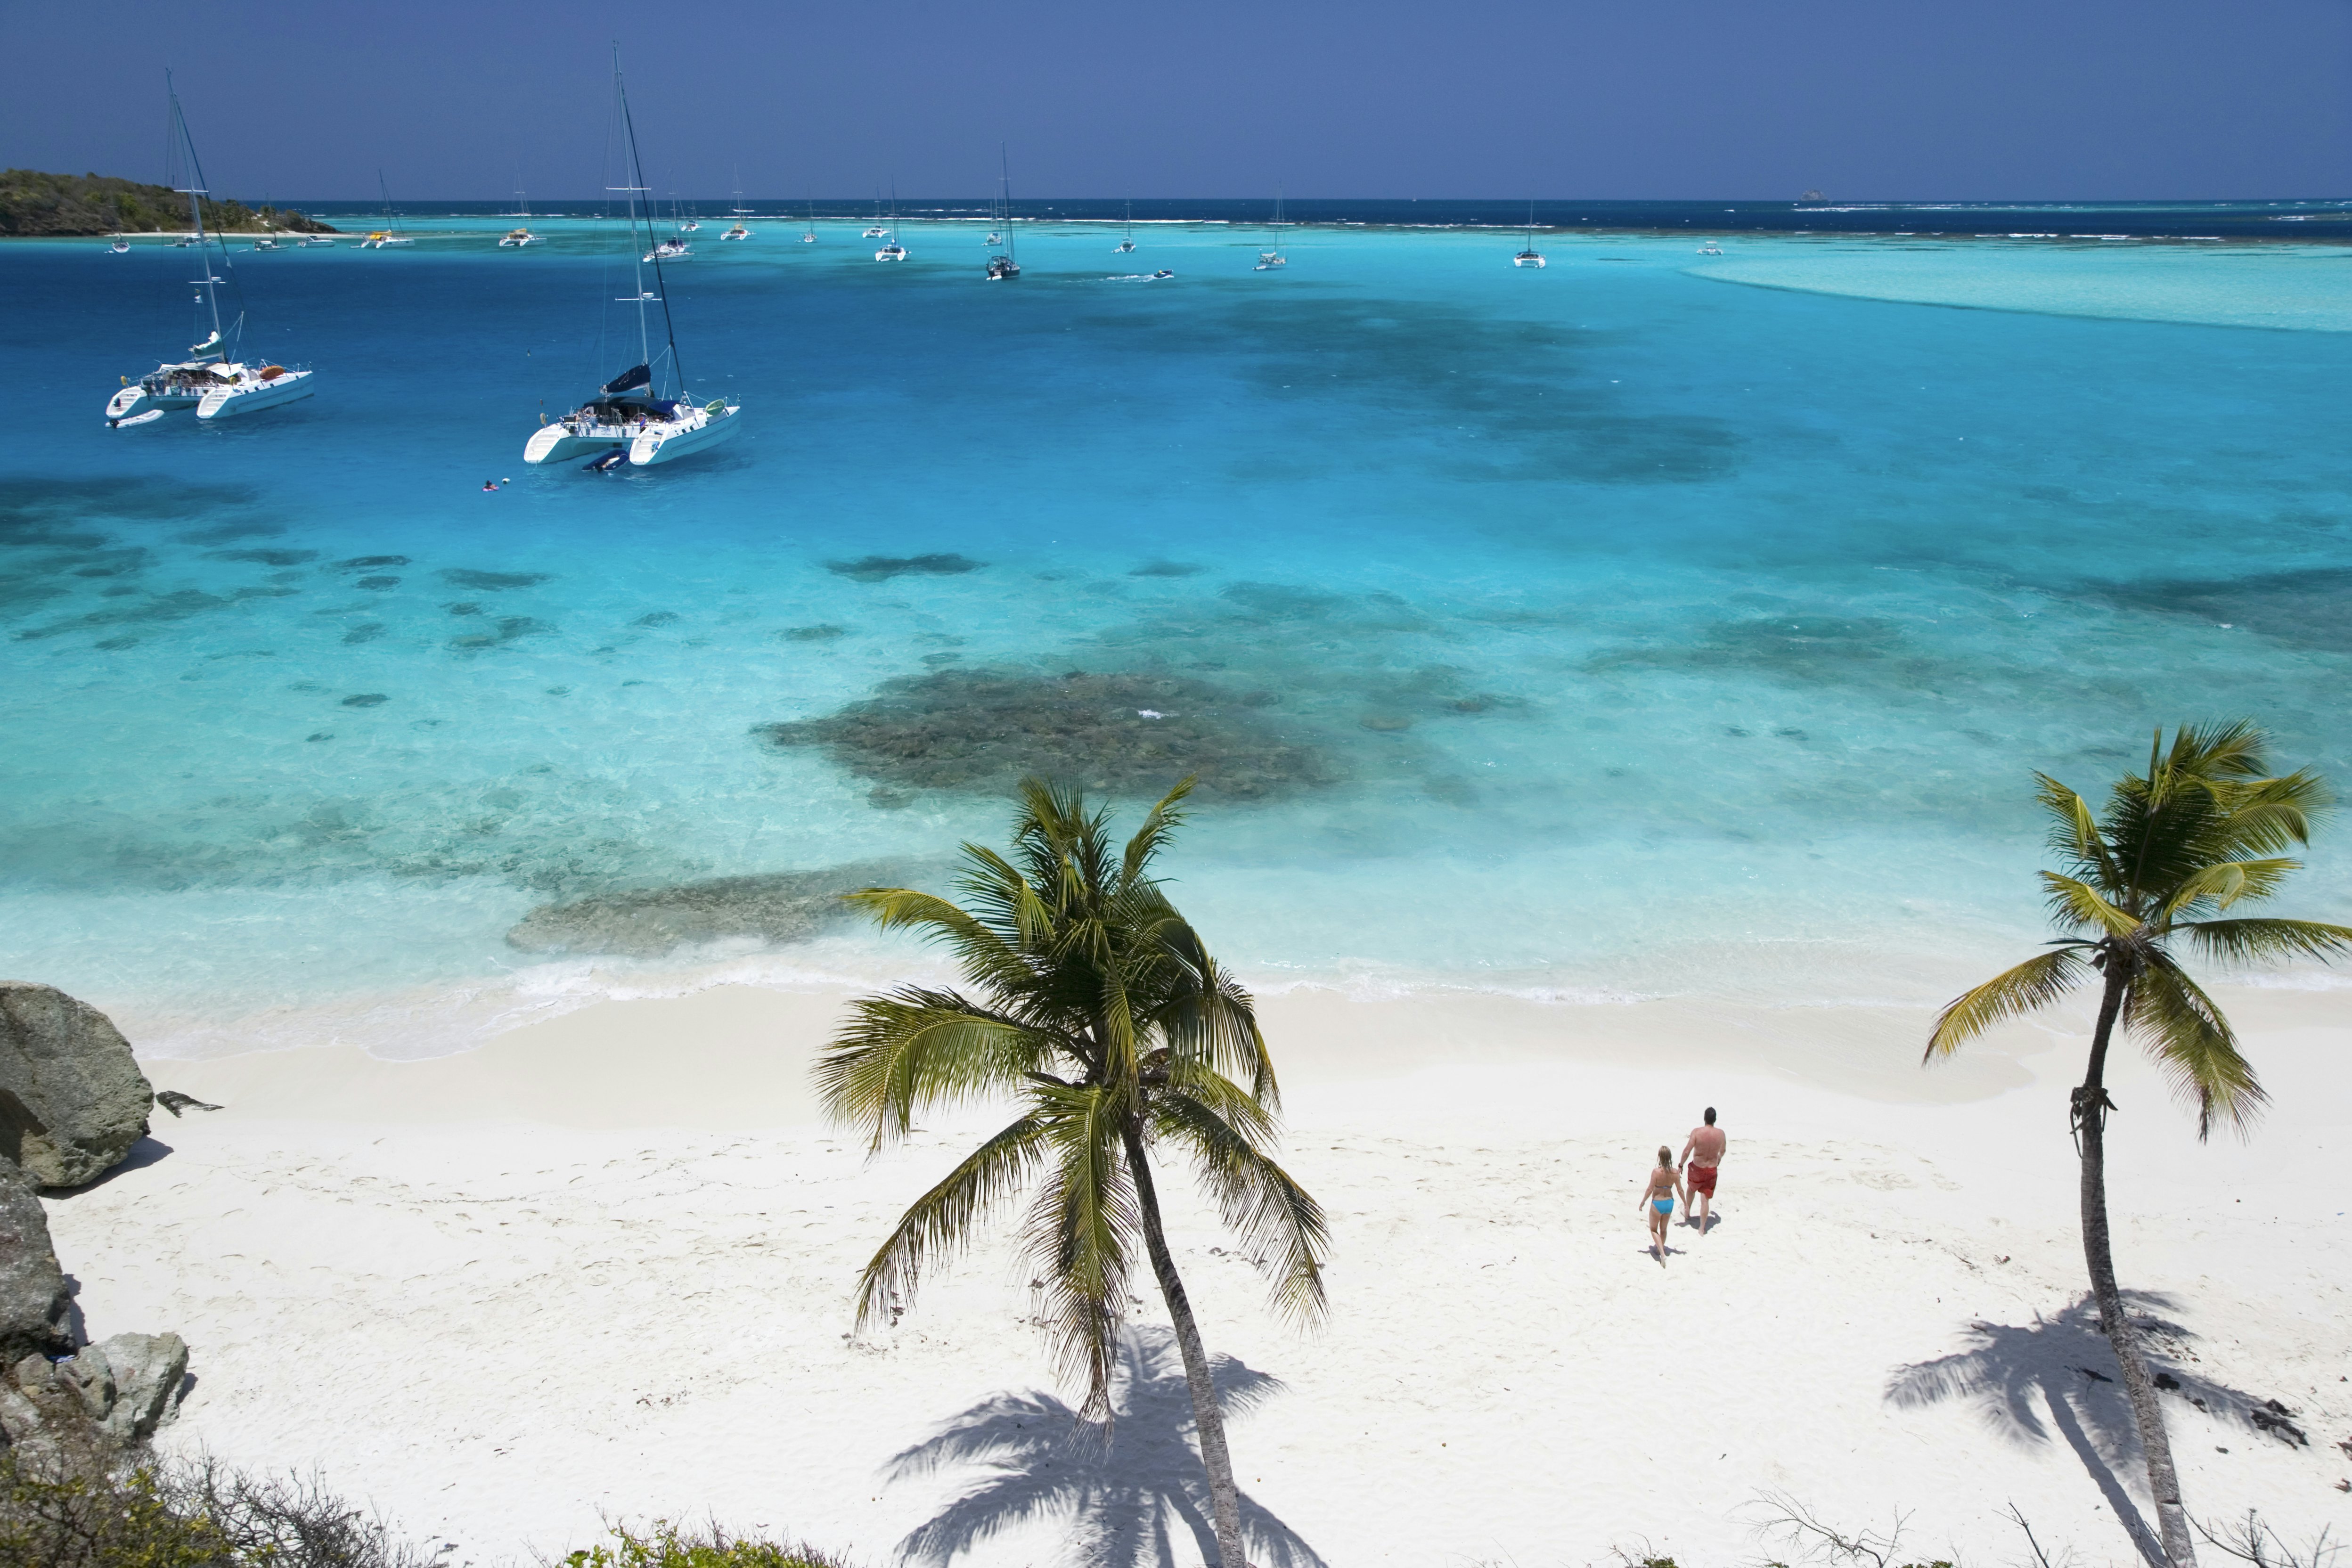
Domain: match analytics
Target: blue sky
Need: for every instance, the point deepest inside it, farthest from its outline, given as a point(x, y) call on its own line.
point(1556, 98)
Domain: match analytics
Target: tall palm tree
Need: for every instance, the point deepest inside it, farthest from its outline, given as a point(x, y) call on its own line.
point(1096, 1007)
point(2199, 834)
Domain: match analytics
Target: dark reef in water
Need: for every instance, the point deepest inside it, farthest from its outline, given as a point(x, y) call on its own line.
point(267, 557)
point(1167, 569)
point(367, 563)
point(1124, 732)
point(1806, 648)
point(781, 907)
point(507, 629)
point(467, 577)
point(814, 634)
point(2310, 609)
point(882, 568)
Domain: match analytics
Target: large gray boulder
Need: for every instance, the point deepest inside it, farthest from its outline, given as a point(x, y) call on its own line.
point(129, 1385)
point(72, 1099)
point(34, 1301)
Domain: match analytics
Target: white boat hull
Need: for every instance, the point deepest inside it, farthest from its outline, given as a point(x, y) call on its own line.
point(668, 443)
point(1527, 261)
point(554, 444)
point(136, 405)
point(252, 396)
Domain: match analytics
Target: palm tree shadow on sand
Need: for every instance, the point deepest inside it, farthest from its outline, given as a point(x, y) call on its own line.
point(1116, 1495)
point(2063, 1368)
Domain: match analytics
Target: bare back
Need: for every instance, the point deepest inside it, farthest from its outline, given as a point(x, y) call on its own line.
point(1705, 1146)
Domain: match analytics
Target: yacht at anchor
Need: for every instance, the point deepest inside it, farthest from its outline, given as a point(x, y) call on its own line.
point(631, 415)
point(209, 380)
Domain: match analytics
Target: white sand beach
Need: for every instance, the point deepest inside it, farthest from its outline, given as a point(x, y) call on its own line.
point(604, 1264)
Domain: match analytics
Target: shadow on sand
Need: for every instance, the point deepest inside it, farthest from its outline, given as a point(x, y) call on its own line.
point(1117, 1494)
point(2060, 1374)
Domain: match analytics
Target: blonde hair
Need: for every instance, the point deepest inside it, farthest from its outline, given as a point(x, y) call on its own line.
point(1666, 1158)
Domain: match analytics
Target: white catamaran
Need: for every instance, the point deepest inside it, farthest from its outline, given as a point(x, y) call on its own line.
point(629, 415)
point(391, 234)
point(1273, 260)
point(1530, 257)
point(215, 386)
point(1008, 264)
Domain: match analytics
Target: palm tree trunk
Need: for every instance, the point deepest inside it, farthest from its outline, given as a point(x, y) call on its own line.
point(1208, 1416)
point(2091, 1131)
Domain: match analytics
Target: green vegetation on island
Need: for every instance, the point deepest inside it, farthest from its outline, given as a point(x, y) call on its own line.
point(34, 204)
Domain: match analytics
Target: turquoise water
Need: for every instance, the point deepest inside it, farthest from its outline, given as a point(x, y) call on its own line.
point(1626, 631)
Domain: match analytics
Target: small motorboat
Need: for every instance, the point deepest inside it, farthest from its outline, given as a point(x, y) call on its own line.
point(316, 242)
point(515, 238)
point(1163, 272)
point(610, 460)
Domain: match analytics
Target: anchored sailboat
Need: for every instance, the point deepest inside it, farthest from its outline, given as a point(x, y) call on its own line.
point(209, 382)
point(1127, 241)
point(738, 211)
point(1530, 257)
point(808, 234)
point(390, 234)
point(1007, 265)
point(520, 235)
point(1273, 260)
point(891, 249)
point(629, 413)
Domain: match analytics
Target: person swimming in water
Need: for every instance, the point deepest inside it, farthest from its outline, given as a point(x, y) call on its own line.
point(1658, 1198)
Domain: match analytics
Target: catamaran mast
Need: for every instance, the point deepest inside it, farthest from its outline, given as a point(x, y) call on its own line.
point(1004, 182)
point(194, 192)
point(635, 174)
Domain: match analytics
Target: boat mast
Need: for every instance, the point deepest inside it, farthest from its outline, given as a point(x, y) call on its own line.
point(635, 174)
point(1004, 182)
point(194, 192)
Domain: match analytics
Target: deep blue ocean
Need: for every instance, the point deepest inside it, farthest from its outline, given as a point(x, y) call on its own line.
point(1656, 623)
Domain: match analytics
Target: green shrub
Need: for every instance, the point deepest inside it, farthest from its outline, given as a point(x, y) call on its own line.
point(667, 1546)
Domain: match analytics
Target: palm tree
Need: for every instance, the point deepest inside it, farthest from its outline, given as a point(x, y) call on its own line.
point(2199, 834)
point(1096, 1007)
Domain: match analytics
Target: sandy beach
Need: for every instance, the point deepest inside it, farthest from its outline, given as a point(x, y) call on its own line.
point(601, 1267)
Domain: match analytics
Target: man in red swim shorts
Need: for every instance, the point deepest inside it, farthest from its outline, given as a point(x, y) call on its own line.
point(1701, 1155)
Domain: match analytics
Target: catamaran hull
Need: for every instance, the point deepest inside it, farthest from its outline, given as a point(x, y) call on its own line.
point(292, 387)
point(667, 445)
point(134, 406)
point(554, 444)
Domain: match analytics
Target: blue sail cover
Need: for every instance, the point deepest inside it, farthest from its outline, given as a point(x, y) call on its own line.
point(629, 381)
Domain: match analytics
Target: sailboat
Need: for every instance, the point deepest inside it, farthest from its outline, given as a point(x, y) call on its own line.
point(211, 382)
point(1127, 242)
point(738, 212)
point(891, 249)
point(875, 229)
point(808, 234)
point(1008, 265)
point(628, 413)
point(120, 245)
point(390, 234)
point(1273, 260)
point(1530, 257)
point(520, 235)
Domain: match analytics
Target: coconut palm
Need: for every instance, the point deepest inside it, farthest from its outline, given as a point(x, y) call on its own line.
point(1094, 1006)
point(2149, 876)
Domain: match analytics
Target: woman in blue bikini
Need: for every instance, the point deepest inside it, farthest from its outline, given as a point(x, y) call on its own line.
point(1665, 1186)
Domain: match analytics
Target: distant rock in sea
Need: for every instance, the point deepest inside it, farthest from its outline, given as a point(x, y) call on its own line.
point(72, 1099)
point(1812, 196)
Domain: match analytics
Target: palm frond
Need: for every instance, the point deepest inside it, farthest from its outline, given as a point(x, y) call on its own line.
point(2074, 832)
point(2256, 941)
point(1083, 1229)
point(984, 952)
point(912, 1048)
point(2225, 882)
point(1158, 825)
point(2032, 986)
point(2076, 904)
point(2187, 1037)
point(941, 1222)
point(1213, 1019)
point(1272, 1215)
point(2268, 815)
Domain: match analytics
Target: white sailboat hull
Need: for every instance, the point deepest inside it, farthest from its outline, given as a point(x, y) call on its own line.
point(554, 444)
point(136, 405)
point(250, 396)
point(668, 443)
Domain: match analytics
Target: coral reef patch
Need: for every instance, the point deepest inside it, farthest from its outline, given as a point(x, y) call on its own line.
point(882, 568)
point(780, 907)
point(468, 578)
point(1125, 732)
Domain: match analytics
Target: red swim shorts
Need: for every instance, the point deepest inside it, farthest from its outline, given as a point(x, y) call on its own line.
point(1702, 1179)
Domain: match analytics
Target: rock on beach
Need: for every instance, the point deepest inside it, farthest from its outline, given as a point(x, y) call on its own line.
point(72, 1099)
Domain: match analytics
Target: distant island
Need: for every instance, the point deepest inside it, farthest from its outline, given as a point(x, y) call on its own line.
point(61, 205)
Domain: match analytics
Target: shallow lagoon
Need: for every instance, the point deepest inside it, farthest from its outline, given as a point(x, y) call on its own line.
point(1611, 629)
